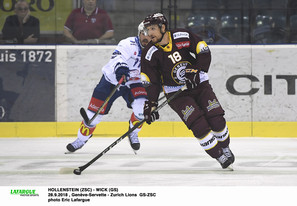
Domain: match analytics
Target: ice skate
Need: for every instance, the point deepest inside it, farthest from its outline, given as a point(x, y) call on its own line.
point(229, 154)
point(225, 162)
point(134, 141)
point(77, 144)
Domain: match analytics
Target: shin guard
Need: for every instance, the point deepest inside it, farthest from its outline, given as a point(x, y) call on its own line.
point(133, 121)
point(85, 132)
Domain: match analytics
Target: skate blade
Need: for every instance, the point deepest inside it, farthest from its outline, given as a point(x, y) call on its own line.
point(135, 151)
point(68, 152)
point(230, 167)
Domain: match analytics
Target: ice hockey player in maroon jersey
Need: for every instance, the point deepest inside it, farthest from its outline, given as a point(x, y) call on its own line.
point(175, 58)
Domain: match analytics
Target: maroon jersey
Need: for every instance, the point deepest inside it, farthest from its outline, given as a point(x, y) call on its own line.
point(165, 65)
point(85, 27)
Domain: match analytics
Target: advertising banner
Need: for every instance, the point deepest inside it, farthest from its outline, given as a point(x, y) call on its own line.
point(27, 85)
point(52, 14)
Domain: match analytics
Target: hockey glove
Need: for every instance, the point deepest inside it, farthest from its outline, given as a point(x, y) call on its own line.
point(149, 115)
point(120, 71)
point(192, 77)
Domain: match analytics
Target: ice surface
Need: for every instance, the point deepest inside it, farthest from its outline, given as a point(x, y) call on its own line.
point(160, 162)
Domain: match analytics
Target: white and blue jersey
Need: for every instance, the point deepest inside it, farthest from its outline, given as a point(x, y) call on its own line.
point(127, 52)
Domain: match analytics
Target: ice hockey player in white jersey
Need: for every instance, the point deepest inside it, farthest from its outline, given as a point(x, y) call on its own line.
point(125, 60)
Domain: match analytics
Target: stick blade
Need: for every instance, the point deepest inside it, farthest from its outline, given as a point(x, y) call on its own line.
point(77, 171)
point(84, 115)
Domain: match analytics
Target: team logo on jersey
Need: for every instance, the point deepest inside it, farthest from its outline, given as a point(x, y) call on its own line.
point(93, 20)
point(150, 53)
point(178, 35)
point(183, 44)
point(213, 104)
point(178, 72)
point(187, 112)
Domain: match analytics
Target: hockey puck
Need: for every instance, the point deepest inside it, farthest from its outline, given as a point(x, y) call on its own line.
point(77, 171)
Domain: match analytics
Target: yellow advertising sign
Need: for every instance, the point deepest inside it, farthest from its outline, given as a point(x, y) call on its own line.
point(52, 14)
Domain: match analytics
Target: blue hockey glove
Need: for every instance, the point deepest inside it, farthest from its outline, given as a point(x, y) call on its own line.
point(122, 69)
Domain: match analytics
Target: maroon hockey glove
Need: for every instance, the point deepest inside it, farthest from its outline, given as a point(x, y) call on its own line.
point(192, 77)
point(149, 115)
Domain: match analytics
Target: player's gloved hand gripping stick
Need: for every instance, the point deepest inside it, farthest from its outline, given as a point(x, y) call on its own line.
point(84, 113)
point(79, 170)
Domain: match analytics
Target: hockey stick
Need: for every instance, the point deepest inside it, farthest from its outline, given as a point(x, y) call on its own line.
point(84, 113)
point(82, 168)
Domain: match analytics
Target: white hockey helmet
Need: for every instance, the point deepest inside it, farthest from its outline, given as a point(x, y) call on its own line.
point(141, 28)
